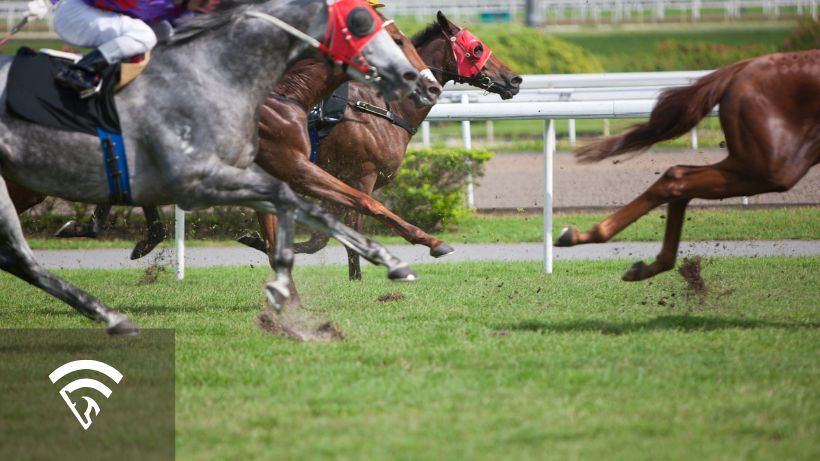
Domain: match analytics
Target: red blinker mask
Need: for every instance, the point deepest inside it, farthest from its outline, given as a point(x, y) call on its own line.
point(351, 25)
point(470, 52)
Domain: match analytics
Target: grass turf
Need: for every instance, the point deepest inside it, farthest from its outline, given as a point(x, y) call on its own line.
point(485, 361)
point(799, 223)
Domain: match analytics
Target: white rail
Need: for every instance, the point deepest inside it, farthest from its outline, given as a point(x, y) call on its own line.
point(488, 108)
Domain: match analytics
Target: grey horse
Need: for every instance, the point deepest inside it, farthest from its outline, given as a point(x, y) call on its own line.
point(190, 126)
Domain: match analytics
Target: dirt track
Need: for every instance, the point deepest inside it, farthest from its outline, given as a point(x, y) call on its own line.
point(517, 181)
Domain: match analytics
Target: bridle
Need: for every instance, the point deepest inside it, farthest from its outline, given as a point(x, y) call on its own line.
point(351, 25)
point(470, 68)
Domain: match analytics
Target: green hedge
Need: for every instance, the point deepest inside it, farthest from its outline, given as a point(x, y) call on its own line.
point(429, 190)
point(806, 36)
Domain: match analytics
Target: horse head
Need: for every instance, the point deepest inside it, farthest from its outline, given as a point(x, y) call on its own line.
point(461, 56)
point(365, 44)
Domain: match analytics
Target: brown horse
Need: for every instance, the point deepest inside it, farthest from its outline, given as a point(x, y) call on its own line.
point(770, 114)
point(284, 147)
point(365, 151)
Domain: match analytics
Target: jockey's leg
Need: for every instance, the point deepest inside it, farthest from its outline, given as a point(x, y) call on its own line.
point(115, 37)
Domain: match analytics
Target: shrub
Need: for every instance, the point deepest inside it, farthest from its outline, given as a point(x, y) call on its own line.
point(429, 190)
point(805, 36)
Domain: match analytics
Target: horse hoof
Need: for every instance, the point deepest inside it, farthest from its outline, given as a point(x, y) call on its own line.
point(635, 273)
point(67, 231)
point(403, 274)
point(277, 294)
point(124, 327)
point(142, 248)
point(567, 237)
point(442, 250)
point(254, 241)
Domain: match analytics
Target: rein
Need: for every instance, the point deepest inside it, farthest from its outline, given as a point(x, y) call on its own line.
point(366, 107)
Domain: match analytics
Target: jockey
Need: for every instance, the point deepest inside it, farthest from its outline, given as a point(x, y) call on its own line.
point(117, 29)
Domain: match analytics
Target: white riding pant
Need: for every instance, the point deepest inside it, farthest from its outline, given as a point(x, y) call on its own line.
point(117, 36)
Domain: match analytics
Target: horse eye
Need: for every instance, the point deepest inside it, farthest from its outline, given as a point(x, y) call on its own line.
point(478, 51)
point(360, 22)
point(399, 41)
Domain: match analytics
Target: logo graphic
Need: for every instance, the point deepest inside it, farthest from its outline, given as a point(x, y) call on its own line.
point(91, 404)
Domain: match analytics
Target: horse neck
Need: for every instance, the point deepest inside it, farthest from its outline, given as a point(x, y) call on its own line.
point(235, 63)
point(309, 81)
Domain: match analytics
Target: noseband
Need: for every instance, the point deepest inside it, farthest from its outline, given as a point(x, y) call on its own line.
point(470, 67)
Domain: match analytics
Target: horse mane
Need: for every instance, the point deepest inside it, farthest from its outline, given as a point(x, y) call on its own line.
point(431, 31)
point(225, 12)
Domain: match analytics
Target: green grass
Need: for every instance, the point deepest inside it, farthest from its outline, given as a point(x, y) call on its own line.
point(485, 361)
point(801, 223)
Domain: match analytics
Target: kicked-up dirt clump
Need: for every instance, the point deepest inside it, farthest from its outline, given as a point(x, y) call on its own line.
point(690, 271)
point(395, 296)
point(297, 324)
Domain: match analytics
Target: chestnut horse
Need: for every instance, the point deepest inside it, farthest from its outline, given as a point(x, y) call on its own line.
point(770, 114)
point(365, 151)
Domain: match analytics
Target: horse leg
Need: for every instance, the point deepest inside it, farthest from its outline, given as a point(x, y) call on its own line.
point(17, 259)
point(355, 220)
point(91, 229)
point(665, 260)
point(282, 290)
point(309, 179)
point(253, 187)
point(679, 184)
point(259, 241)
point(156, 233)
point(317, 241)
point(23, 198)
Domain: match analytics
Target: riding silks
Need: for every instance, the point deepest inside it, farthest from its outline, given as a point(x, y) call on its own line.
point(33, 95)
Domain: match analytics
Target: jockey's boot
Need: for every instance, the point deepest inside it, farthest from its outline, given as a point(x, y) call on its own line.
point(84, 76)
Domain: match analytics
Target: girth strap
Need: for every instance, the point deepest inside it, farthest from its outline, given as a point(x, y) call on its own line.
point(384, 113)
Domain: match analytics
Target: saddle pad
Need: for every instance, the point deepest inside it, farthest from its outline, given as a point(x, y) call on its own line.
point(33, 95)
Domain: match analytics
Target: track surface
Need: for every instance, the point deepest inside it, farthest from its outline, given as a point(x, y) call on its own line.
point(517, 181)
point(238, 256)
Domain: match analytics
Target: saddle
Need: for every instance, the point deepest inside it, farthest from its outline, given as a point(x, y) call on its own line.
point(324, 116)
point(33, 95)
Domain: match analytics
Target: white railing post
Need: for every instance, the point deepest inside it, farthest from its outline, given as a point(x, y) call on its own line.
point(466, 137)
point(425, 134)
point(549, 151)
point(571, 129)
point(693, 138)
point(179, 231)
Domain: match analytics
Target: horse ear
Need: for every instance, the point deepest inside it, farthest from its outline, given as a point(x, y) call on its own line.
point(443, 22)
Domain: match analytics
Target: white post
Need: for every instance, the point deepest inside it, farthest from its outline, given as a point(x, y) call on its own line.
point(744, 200)
point(606, 127)
point(490, 131)
point(179, 230)
point(466, 137)
point(693, 138)
point(814, 10)
point(425, 134)
point(549, 151)
point(571, 128)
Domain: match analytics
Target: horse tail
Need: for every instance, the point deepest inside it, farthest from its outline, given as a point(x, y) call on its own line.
point(678, 110)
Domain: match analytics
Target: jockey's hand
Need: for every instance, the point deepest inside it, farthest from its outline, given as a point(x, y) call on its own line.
point(201, 6)
point(38, 9)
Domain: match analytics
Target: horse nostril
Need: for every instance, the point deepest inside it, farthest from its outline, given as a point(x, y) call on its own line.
point(516, 80)
point(434, 90)
point(410, 75)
